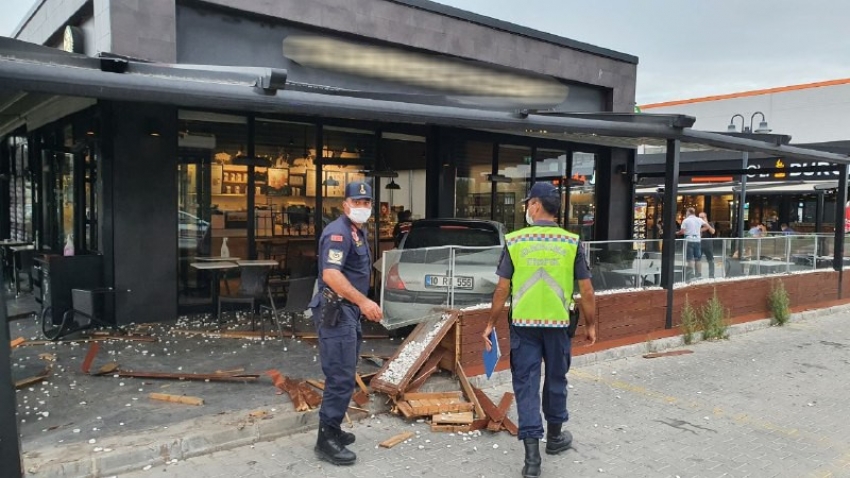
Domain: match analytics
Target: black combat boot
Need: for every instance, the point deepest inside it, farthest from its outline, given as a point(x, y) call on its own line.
point(329, 448)
point(532, 458)
point(346, 438)
point(557, 440)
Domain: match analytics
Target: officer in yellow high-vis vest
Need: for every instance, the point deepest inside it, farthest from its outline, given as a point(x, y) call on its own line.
point(538, 269)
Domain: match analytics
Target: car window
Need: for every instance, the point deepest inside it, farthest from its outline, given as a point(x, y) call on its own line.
point(450, 235)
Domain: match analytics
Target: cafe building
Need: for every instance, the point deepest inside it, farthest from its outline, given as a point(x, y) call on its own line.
point(798, 193)
point(127, 146)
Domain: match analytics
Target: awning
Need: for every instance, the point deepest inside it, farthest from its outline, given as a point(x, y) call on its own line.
point(32, 69)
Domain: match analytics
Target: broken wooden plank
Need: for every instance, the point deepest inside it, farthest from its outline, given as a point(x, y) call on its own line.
point(491, 410)
point(17, 342)
point(211, 377)
point(468, 389)
point(360, 398)
point(431, 366)
point(360, 383)
point(458, 418)
point(405, 409)
point(450, 428)
point(82, 340)
point(479, 424)
point(316, 384)
point(432, 395)
point(495, 423)
point(25, 382)
point(183, 399)
point(358, 409)
point(87, 361)
point(671, 353)
point(230, 372)
point(397, 372)
point(312, 397)
point(395, 440)
point(295, 395)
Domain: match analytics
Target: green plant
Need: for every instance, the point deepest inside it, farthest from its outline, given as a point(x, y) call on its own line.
point(690, 322)
point(714, 325)
point(779, 303)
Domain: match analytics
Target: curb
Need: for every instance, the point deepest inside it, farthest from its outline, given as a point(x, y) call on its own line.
point(184, 440)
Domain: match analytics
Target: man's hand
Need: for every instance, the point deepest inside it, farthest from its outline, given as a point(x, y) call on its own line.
point(591, 334)
point(487, 331)
point(371, 310)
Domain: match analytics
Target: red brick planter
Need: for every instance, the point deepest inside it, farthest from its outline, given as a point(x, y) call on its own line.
point(636, 316)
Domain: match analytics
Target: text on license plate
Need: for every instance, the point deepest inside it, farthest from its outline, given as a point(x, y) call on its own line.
point(460, 282)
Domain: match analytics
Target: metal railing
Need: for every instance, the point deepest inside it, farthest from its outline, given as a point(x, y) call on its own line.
point(637, 263)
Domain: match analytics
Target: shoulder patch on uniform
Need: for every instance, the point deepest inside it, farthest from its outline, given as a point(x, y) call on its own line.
point(335, 256)
point(336, 238)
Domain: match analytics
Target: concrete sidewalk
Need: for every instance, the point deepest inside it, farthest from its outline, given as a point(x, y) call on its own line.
point(131, 432)
point(768, 403)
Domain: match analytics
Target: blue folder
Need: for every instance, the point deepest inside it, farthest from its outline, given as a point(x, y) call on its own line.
point(492, 357)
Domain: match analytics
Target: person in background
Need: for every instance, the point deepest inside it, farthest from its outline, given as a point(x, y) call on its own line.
point(706, 244)
point(538, 269)
point(756, 229)
point(345, 267)
point(786, 230)
point(402, 227)
point(691, 228)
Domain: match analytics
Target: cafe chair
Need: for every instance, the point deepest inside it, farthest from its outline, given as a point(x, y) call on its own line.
point(732, 268)
point(299, 292)
point(253, 287)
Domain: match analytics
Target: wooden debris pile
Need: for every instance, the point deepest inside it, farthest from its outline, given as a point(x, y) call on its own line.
point(423, 353)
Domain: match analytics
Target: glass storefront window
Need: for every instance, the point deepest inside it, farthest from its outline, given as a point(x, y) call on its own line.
point(551, 166)
point(212, 183)
point(582, 217)
point(473, 161)
point(346, 155)
point(282, 200)
point(512, 184)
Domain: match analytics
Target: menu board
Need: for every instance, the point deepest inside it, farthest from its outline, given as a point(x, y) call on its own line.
point(639, 227)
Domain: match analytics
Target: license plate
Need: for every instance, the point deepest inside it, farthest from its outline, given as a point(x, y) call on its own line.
point(458, 282)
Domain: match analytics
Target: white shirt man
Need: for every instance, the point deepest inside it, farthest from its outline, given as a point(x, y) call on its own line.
point(692, 227)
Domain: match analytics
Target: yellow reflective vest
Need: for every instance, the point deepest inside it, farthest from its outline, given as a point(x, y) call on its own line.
point(542, 284)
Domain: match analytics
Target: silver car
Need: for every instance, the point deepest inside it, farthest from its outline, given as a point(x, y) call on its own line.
point(440, 263)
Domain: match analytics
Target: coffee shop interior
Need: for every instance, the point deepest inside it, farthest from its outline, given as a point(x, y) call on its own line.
point(230, 164)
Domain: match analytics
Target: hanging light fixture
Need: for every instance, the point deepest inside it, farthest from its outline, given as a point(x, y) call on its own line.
point(393, 185)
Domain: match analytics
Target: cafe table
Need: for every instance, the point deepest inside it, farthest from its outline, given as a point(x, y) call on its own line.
point(215, 267)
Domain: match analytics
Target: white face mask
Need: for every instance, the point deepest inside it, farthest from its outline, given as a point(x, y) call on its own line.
point(528, 218)
point(360, 215)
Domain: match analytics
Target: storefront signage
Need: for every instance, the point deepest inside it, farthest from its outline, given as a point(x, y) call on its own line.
point(794, 170)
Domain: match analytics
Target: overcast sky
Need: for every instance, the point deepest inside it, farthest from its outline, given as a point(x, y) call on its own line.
point(687, 48)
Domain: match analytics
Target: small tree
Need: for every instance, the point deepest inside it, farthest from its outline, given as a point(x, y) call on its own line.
point(690, 321)
point(714, 319)
point(779, 303)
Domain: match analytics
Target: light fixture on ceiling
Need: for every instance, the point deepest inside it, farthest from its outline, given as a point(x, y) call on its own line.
point(330, 181)
point(393, 185)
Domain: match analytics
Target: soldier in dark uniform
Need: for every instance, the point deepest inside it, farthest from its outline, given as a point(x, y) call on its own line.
point(345, 265)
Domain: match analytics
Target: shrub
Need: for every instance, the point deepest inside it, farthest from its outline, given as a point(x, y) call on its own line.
point(714, 319)
point(779, 303)
point(690, 322)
